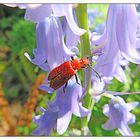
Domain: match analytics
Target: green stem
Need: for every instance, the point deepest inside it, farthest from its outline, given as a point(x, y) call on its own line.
point(81, 13)
point(82, 22)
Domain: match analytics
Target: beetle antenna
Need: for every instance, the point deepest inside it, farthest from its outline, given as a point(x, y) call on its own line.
point(96, 73)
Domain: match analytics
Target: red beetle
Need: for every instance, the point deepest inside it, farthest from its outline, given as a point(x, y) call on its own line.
point(62, 73)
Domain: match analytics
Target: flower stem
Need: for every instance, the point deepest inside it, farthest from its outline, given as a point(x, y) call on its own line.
point(81, 13)
point(83, 23)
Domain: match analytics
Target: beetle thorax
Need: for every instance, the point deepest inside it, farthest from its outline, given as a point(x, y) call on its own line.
point(84, 62)
point(76, 64)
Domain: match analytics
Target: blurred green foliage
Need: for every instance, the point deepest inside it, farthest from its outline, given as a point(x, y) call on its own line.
point(22, 36)
point(17, 36)
point(17, 74)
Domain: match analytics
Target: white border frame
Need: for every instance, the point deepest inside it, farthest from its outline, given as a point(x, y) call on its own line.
point(70, 1)
point(69, 138)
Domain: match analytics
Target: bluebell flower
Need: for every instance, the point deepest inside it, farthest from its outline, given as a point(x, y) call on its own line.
point(46, 122)
point(119, 115)
point(71, 39)
point(51, 49)
point(38, 12)
point(68, 103)
point(138, 32)
point(98, 86)
point(117, 41)
point(50, 52)
point(62, 108)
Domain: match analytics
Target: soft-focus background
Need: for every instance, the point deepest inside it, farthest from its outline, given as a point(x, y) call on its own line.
point(19, 79)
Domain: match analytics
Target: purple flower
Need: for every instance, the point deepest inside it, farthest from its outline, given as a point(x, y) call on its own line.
point(46, 122)
point(38, 12)
point(98, 86)
point(119, 115)
point(51, 48)
point(117, 41)
point(62, 108)
point(50, 45)
point(71, 39)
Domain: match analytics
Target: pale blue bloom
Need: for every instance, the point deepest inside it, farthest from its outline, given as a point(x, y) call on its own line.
point(38, 12)
point(98, 86)
point(45, 10)
point(119, 115)
point(46, 122)
point(117, 41)
point(71, 39)
point(62, 108)
point(50, 52)
point(51, 49)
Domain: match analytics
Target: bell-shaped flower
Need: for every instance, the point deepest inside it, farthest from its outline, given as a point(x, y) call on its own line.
point(51, 48)
point(98, 86)
point(117, 41)
point(50, 44)
point(38, 12)
point(63, 106)
point(70, 38)
point(46, 122)
point(119, 115)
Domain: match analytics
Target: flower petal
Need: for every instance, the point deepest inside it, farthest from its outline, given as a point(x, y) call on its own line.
point(46, 88)
point(38, 13)
point(132, 105)
point(71, 38)
point(66, 10)
point(46, 122)
point(50, 44)
point(131, 118)
point(109, 125)
point(63, 122)
point(125, 130)
point(120, 75)
point(127, 35)
point(106, 110)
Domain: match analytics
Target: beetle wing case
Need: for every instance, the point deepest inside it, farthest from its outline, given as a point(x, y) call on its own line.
point(60, 75)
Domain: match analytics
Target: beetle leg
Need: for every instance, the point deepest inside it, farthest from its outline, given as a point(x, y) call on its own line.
point(77, 80)
point(65, 86)
point(72, 57)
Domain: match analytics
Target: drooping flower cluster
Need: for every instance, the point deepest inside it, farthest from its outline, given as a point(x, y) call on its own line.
point(119, 115)
point(117, 41)
point(52, 48)
point(117, 44)
point(56, 42)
